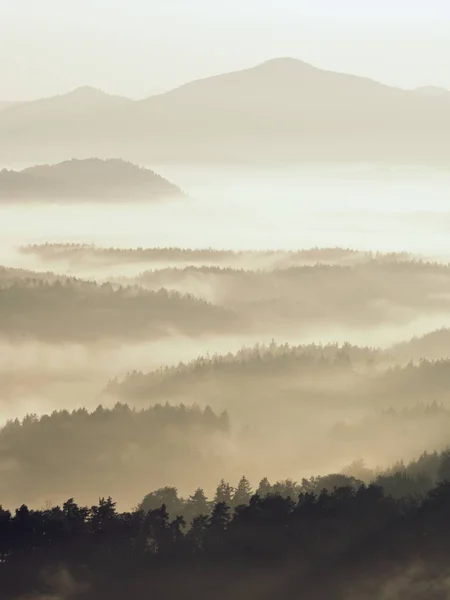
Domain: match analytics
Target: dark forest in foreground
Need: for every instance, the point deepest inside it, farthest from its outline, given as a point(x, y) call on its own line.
point(352, 542)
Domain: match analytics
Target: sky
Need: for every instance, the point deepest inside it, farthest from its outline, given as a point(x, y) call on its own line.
point(140, 47)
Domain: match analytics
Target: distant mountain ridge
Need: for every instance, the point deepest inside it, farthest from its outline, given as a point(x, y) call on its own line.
point(432, 90)
point(282, 109)
point(4, 104)
point(94, 178)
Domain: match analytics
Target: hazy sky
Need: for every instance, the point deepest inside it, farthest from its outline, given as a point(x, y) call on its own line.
point(139, 47)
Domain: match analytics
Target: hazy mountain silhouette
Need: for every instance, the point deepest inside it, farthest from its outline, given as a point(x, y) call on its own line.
point(93, 178)
point(4, 104)
point(281, 109)
point(432, 90)
point(434, 345)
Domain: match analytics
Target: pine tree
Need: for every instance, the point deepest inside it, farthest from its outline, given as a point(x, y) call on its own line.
point(243, 492)
point(224, 493)
point(197, 504)
point(220, 516)
point(264, 488)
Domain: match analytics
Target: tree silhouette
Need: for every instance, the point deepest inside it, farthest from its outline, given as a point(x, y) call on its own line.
point(224, 493)
point(242, 493)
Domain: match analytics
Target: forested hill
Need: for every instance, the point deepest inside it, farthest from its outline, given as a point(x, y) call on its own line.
point(92, 178)
point(75, 310)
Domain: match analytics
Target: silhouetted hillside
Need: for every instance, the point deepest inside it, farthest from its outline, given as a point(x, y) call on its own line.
point(279, 291)
point(370, 283)
point(87, 254)
point(302, 298)
point(432, 90)
point(11, 273)
point(274, 365)
point(79, 310)
point(46, 456)
point(4, 105)
point(351, 541)
point(91, 179)
point(433, 346)
point(283, 109)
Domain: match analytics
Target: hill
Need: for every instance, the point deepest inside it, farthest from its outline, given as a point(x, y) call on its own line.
point(77, 310)
point(432, 90)
point(4, 105)
point(93, 178)
point(85, 254)
point(283, 109)
point(433, 346)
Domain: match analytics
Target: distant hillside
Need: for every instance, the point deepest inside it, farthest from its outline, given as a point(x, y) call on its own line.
point(86, 179)
point(86, 254)
point(431, 90)
point(4, 105)
point(432, 346)
point(283, 109)
point(57, 310)
point(261, 361)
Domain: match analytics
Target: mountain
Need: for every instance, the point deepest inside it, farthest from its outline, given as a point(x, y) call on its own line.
point(81, 123)
point(4, 105)
point(283, 109)
point(432, 90)
point(93, 178)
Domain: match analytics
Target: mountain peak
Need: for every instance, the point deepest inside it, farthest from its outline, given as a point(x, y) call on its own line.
point(86, 91)
point(87, 94)
point(285, 63)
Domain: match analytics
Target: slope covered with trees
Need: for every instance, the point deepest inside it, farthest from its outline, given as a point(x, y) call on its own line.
point(79, 310)
point(89, 179)
point(354, 541)
point(120, 450)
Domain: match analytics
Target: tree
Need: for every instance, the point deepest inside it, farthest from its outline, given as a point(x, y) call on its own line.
point(197, 531)
point(224, 493)
point(103, 515)
point(167, 496)
point(243, 492)
point(220, 516)
point(264, 488)
point(443, 473)
point(197, 504)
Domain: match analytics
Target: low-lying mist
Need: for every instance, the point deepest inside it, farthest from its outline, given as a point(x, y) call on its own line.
point(320, 406)
point(152, 334)
point(158, 350)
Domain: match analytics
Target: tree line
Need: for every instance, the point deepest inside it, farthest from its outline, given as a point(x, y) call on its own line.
point(106, 449)
point(412, 481)
point(258, 360)
point(351, 540)
point(74, 309)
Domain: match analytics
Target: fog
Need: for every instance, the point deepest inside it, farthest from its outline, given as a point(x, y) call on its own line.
point(224, 306)
point(364, 208)
point(301, 255)
point(289, 323)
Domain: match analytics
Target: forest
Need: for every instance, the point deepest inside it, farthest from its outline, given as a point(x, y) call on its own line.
point(90, 252)
point(137, 385)
point(352, 300)
point(85, 180)
point(353, 541)
point(224, 300)
point(71, 309)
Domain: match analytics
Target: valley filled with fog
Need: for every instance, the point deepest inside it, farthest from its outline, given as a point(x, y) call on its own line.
point(366, 207)
point(224, 300)
point(286, 296)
